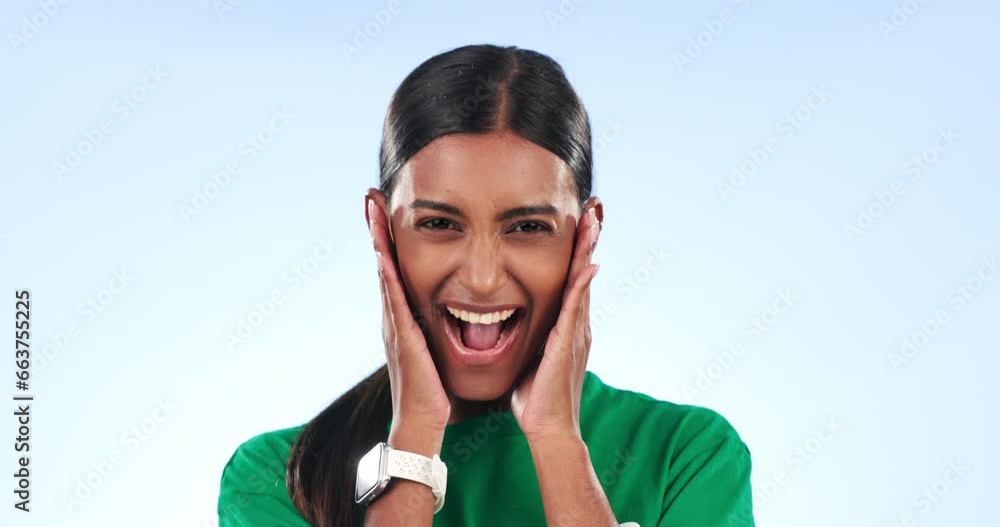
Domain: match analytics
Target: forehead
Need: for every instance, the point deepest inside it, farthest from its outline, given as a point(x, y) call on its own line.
point(486, 172)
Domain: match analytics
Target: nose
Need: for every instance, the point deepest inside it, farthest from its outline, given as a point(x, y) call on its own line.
point(482, 271)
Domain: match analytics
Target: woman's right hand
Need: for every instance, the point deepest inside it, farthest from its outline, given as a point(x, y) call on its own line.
point(420, 405)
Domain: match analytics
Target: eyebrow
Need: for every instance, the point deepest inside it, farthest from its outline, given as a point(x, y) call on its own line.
point(526, 210)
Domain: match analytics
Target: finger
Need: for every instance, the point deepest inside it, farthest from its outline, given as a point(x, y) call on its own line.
point(382, 248)
point(587, 234)
point(586, 231)
point(586, 238)
point(593, 231)
point(394, 297)
point(584, 317)
point(378, 223)
point(580, 295)
point(405, 324)
point(583, 325)
point(378, 243)
point(569, 315)
point(383, 251)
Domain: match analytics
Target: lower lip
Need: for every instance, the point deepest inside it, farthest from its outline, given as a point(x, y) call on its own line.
point(471, 357)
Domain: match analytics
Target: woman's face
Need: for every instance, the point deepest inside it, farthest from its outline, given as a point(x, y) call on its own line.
point(484, 223)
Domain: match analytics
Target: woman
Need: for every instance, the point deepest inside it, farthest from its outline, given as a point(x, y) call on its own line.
point(483, 227)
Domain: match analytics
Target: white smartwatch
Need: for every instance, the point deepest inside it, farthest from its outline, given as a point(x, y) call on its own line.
point(382, 463)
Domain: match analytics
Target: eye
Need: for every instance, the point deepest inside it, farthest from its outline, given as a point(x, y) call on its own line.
point(531, 226)
point(436, 224)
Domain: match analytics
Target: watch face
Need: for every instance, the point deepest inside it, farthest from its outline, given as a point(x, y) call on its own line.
point(371, 478)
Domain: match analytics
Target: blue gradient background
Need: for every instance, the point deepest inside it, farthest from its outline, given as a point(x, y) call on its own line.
point(162, 336)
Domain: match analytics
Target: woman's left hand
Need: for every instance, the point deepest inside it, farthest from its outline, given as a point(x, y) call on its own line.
point(546, 403)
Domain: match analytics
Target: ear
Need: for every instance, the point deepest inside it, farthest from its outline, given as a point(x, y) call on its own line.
point(595, 203)
point(373, 194)
point(376, 195)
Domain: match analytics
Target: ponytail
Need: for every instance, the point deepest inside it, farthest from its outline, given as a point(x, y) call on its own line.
point(322, 463)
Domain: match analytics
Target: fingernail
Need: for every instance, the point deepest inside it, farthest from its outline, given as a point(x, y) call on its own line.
point(593, 215)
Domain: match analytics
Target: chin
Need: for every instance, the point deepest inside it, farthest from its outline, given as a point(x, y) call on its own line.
point(480, 386)
point(480, 375)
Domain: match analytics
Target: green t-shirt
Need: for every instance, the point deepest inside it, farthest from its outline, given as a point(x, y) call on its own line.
point(661, 465)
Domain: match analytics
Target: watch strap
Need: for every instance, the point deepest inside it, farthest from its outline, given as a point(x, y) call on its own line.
point(415, 467)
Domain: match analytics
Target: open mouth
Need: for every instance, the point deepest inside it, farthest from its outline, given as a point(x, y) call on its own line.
point(479, 339)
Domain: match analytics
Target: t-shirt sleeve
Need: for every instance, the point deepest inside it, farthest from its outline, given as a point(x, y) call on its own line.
point(252, 491)
point(710, 476)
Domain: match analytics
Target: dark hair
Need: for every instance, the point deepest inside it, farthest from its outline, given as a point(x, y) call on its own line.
point(472, 89)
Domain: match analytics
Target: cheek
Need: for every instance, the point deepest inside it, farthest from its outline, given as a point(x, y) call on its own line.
point(419, 265)
point(543, 272)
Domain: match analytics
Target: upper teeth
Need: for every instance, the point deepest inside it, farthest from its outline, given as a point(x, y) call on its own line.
point(484, 318)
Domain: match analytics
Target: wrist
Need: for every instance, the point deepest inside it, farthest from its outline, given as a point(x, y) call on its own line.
point(425, 440)
point(554, 441)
